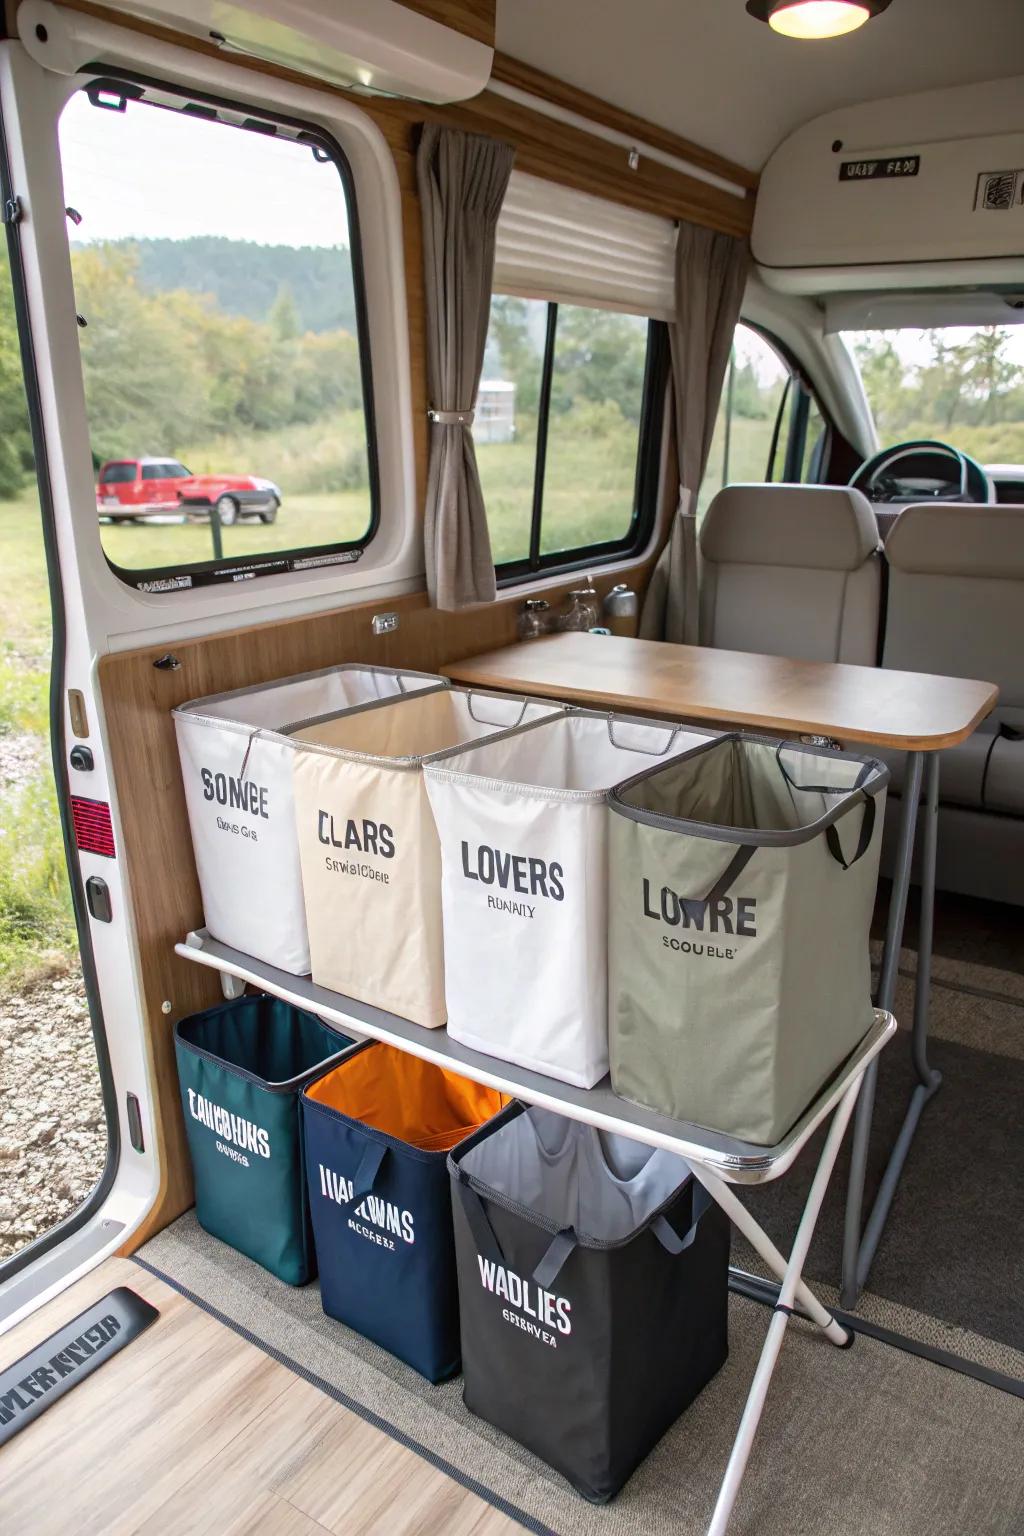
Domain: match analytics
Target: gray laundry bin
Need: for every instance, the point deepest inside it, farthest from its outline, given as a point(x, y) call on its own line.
point(742, 883)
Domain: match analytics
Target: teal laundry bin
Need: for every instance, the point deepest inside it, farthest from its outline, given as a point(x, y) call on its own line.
point(241, 1069)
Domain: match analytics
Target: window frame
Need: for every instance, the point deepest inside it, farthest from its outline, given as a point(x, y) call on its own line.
point(265, 122)
point(510, 573)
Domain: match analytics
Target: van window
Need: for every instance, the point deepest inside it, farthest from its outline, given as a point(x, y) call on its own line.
point(217, 277)
point(769, 425)
point(118, 474)
point(568, 420)
point(959, 384)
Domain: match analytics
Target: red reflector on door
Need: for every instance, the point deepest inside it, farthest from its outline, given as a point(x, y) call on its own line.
point(93, 832)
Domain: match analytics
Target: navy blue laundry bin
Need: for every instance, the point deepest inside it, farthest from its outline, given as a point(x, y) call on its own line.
point(378, 1129)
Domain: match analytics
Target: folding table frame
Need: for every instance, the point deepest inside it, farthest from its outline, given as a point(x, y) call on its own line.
point(717, 1161)
point(859, 1249)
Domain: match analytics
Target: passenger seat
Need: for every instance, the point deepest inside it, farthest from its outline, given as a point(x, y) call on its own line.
point(791, 570)
point(956, 607)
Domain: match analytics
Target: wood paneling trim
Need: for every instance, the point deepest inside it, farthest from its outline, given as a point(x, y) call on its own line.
point(154, 836)
point(577, 159)
point(473, 18)
point(561, 94)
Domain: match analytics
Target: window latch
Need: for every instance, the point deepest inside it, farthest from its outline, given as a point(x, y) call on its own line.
point(13, 210)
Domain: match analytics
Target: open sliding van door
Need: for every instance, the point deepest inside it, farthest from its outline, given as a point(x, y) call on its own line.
point(152, 338)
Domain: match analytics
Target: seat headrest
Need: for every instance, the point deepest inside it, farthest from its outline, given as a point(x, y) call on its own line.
point(940, 539)
point(819, 527)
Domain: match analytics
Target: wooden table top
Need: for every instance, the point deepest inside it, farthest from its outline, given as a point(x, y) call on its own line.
point(915, 711)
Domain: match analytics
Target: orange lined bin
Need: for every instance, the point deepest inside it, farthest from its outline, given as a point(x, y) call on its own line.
point(377, 1134)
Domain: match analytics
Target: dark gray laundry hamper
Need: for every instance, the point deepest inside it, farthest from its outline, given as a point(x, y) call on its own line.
point(743, 877)
point(593, 1291)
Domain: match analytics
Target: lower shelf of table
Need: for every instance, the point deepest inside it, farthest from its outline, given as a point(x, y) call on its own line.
point(740, 1162)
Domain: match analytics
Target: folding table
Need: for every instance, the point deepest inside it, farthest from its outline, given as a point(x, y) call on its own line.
point(718, 1162)
point(916, 712)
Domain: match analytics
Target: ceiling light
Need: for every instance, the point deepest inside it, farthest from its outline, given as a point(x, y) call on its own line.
point(815, 18)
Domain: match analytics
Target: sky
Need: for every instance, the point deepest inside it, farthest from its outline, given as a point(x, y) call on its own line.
point(156, 174)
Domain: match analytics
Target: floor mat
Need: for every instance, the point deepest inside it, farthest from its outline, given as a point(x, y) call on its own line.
point(861, 1442)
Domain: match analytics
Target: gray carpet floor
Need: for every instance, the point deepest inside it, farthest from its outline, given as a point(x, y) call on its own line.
point(953, 1250)
point(862, 1442)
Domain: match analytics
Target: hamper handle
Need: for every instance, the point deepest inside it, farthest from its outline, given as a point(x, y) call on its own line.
point(479, 1222)
point(470, 696)
point(550, 1267)
point(401, 677)
point(666, 1233)
point(732, 871)
point(820, 789)
point(647, 751)
point(867, 825)
point(374, 1154)
point(248, 749)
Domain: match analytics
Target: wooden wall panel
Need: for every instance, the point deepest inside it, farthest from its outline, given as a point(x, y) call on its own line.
point(154, 837)
point(547, 88)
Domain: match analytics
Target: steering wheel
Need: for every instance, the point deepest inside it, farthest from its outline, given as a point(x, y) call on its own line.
point(889, 476)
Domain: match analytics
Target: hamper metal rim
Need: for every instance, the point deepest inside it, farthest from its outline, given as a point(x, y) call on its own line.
point(189, 707)
point(414, 761)
point(285, 1085)
point(453, 775)
point(750, 837)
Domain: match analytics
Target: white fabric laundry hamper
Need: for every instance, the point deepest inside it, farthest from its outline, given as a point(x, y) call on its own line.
point(523, 825)
point(371, 865)
point(236, 764)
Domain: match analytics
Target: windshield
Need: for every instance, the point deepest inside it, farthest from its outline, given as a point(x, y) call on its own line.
point(962, 385)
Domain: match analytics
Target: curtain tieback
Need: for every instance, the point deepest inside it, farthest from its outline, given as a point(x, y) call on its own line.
point(451, 418)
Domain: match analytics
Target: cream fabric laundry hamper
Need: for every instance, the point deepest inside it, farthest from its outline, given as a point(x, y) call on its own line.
point(523, 823)
point(371, 865)
point(236, 765)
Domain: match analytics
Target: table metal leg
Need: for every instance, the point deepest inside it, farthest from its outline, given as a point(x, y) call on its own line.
point(791, 1290)
point(859, 1251)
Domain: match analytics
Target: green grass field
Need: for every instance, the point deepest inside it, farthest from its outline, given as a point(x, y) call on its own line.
point(36, 926)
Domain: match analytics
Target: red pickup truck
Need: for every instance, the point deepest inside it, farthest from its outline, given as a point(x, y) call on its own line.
point(139, 488)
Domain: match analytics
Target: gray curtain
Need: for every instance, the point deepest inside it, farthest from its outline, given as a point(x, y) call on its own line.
point(462, 179)
point(711, 272)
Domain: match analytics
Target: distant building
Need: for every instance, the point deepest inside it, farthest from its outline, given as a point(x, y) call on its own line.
point(495, 419)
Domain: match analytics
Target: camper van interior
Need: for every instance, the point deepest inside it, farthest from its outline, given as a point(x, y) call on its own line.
point(512, 767)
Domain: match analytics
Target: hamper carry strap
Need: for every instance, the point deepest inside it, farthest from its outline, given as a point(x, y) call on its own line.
point(867, 825)
point(667, 1235)
point(479, 1223)
point(374, 1154)
point(550, 1266)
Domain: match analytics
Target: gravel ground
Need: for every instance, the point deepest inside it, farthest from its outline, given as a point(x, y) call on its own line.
point(53, 1137)
point(20, 757)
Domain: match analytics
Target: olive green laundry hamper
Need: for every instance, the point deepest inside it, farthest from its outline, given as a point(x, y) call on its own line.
point(241, 1068)
point(742, 883)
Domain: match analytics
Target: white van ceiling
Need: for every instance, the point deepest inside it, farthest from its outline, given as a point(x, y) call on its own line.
point(710, 72)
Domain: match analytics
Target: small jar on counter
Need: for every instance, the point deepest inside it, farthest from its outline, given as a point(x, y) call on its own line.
point(533, 618)
point(581, 610)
